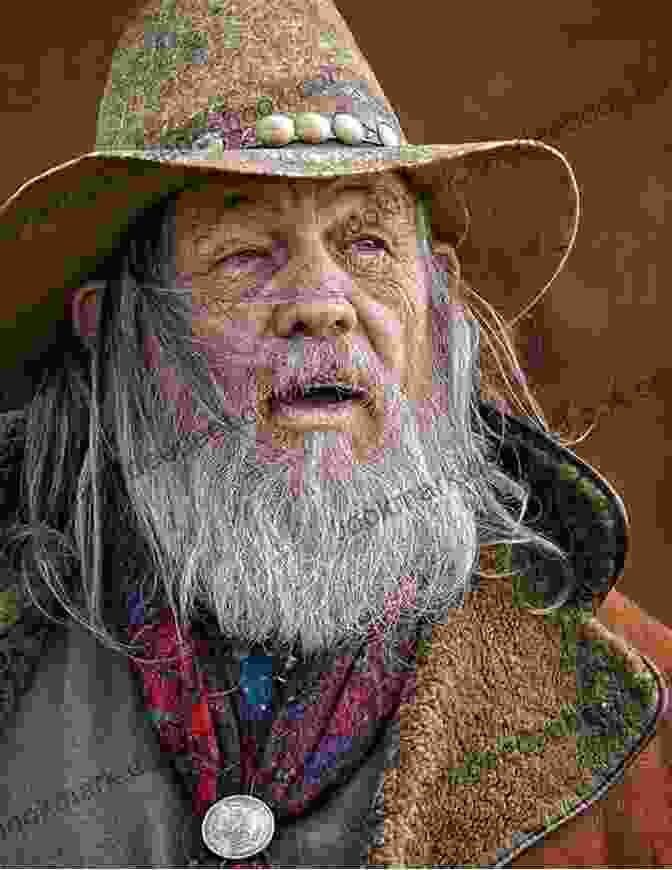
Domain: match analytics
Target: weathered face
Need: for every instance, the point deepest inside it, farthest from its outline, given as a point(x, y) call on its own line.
point(332, 263)
point(297, 282)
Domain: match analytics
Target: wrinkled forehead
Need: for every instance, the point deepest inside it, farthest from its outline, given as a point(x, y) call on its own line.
point(220, 197)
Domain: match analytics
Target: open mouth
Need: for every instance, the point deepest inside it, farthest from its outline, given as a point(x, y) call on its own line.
point(333, 398)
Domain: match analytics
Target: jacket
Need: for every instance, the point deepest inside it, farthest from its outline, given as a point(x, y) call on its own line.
point(530, 741)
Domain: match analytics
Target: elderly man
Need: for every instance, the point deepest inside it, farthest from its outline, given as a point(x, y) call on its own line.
point(260, 457)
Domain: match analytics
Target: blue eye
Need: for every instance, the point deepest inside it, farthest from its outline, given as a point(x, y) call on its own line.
point(240, 258)
point(380, 245)
point(244, 255)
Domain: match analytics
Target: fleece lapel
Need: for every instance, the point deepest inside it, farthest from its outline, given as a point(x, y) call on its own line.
point(522, 720)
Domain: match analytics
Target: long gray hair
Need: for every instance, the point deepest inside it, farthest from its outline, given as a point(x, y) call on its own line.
point(83, 425)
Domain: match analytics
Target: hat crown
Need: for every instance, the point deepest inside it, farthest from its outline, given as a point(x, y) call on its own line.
point(233, 74)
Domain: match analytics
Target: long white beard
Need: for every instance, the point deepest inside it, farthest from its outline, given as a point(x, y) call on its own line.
point(315, 567)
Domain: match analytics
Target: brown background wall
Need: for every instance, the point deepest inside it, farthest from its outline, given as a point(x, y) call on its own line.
point(590, 78)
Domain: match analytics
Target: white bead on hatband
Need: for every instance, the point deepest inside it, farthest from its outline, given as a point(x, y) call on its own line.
point(314, 128)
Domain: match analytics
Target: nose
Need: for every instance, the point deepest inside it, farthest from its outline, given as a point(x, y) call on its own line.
point(315, 288)
point(316, 319)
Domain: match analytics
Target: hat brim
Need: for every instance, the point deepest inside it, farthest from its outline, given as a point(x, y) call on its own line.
point(521, 195)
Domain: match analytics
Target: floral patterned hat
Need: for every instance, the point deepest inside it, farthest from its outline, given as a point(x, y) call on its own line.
point(274, 88)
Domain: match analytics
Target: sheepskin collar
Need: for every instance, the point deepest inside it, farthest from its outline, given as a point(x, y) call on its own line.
point(519, 721)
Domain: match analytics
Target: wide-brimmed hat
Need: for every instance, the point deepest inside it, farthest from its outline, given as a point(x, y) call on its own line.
point(271, 88)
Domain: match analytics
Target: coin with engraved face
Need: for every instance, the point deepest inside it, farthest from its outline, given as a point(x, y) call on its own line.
point(238, 826)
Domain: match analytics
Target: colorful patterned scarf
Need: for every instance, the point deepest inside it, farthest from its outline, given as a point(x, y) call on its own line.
point(318, 738)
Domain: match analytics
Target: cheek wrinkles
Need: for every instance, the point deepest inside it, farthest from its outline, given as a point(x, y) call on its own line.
point(384, 329)
point(395, 283)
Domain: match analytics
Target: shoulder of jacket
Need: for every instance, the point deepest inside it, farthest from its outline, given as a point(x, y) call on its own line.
point(12, 447)
point(23, 626)
point(23, 631)
point(12, 435)
point(9, 608)
point(22, 646)
point(12, 443)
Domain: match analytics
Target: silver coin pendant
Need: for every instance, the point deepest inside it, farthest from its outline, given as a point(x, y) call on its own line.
point(238, 826)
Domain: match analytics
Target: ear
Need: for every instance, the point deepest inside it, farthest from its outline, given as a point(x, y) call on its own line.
point(84, 310)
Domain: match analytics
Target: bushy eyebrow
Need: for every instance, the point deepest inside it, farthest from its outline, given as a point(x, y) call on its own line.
point(251, 193)
point(368, 184)
point(253, 196)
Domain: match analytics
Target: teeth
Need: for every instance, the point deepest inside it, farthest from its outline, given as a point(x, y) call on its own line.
point(335, 385)
point(342, 390)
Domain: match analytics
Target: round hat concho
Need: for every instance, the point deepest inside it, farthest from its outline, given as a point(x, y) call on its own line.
point(238, 826)
point(200, 89)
